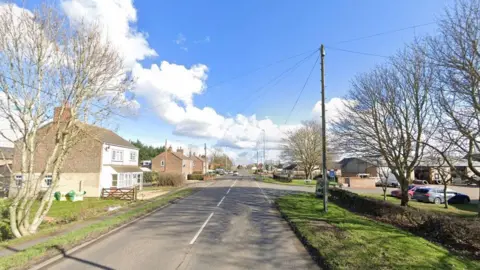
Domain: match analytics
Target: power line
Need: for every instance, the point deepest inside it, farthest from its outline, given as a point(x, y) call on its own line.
point(385, 33)
point(356, 52)
point(151, 108)
point(278, 79)
point(259, 68)
point(301, 91)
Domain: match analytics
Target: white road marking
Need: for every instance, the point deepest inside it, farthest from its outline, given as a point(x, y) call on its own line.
point(220, 202)
point(201, 229)
point(265, 195)
point(230, 188)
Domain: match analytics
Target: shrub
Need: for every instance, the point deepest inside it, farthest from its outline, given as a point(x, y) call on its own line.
point(195, 177)
point(5, 231)
point(150, 177)
point(170, 179)
point(455, 233)
point(197, 172)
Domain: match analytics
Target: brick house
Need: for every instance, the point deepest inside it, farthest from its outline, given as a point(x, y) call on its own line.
point(198, 163)
point(101, 159)
point(173, 162)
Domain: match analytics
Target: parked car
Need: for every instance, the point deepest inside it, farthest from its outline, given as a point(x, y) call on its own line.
point(235, 173)
point(389, 182)
point(435, 195)
point(398, 192)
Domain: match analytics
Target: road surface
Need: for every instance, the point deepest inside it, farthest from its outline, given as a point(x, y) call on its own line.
point(228, 225)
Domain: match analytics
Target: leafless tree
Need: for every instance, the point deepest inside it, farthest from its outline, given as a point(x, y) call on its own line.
point(456, 53)
point(304, 146)
point(389, 114)
point(47, 62)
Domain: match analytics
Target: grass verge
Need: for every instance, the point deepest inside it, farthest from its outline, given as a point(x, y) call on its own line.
point(33, 255)
point(340, 239)
point(462, 210)
point(295, 182)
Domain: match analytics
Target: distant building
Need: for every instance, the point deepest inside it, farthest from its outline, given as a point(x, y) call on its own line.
point(173, 162)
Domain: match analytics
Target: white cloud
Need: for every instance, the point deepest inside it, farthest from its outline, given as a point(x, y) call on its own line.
point(206, 39)
point(180, 41)
point(333, 109)
point(115, 17)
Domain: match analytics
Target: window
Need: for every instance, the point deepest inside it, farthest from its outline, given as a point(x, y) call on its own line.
point(117, 155)
point(162, 163)
point(19, 180)
point(139, 178)
point(133, 156)
point(48, 180)
point(114, 180)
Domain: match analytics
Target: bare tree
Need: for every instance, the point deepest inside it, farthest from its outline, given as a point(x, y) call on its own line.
point(456, 54)
point(304, 146)
point(389, 114)
point(47, 62)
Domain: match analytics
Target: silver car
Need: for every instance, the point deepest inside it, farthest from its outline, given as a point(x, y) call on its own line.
point(432, 195)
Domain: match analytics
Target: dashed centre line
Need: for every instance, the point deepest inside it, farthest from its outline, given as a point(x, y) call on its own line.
point(210, 216)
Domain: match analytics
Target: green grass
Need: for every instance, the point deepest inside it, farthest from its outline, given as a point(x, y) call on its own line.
point(40, 252)
point(295, 182)
point(65, 212)
point(463, 210)
point(348, 241)
point(158, 188)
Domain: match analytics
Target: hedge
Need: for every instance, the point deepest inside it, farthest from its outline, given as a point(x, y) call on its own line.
point(195, 177)
point(163, 179)
point(457, 234)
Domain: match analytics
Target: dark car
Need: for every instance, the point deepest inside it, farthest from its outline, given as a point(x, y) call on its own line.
point(459, 198)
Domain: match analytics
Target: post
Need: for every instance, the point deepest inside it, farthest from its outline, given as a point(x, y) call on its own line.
point(264, 160)
point(205, 158)
point(324, 140)
point(166, 154)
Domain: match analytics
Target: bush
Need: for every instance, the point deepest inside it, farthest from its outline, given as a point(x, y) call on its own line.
point(197, 172)
point(195, 176)
point(455, 233)
point(150, 177)
point(170, 179)
point(5, 231)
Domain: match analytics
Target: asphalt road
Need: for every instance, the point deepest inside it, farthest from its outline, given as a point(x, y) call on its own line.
point(228, 225)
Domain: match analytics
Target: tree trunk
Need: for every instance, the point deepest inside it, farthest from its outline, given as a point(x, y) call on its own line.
point(384, 194)
point(404, 201)
point(445, 194)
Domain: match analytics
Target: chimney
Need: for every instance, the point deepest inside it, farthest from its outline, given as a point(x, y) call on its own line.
point(66, 115)
point(180, 150)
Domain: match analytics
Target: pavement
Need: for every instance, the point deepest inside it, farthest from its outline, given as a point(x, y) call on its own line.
point(228, 225)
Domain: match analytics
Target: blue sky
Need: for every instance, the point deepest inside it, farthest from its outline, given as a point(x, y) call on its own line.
point(225, 39)
point(245, 35)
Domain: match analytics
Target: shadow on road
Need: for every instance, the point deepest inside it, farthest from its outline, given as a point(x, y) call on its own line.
point(90, 263)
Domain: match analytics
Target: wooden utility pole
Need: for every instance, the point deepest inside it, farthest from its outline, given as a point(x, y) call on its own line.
point(166, 154)
point(324, 139)
point(205, 158)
